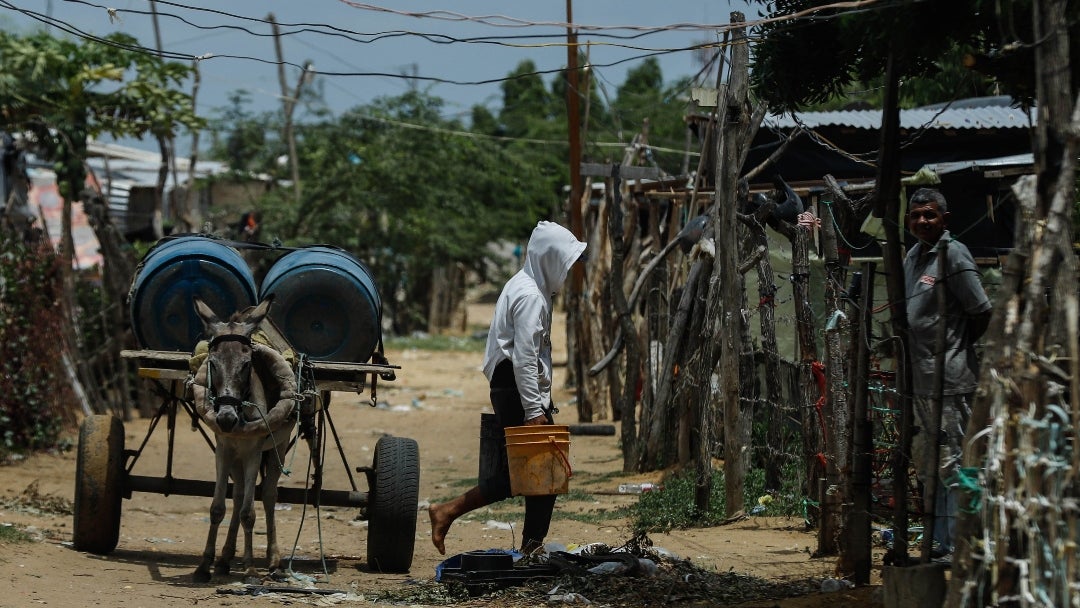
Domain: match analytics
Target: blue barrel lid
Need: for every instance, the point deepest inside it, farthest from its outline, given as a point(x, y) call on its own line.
point(169, 277)
point(326, 303)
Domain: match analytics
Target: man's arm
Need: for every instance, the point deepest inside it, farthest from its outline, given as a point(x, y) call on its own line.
point(977, 324)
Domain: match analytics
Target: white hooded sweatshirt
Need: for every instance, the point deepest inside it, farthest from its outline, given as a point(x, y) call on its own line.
point(521, 328)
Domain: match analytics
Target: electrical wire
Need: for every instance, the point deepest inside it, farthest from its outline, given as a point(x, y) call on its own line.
point(493, 20)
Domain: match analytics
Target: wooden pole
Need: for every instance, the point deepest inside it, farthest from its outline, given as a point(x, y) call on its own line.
point(887, 207)
point(626, 401)
point(288, 103)
point(577, 273)
point(835, 408)
point(930, 504)
point(859, 520)
point(724, 326)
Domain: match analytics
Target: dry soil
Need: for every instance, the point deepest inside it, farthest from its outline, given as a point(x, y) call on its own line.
point(437, 399)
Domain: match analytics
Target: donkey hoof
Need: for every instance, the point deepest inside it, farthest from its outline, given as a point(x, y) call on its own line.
point(201, 575)
point(221, 568)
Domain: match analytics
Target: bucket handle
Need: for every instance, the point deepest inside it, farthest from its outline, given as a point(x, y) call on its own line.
point(562, 457)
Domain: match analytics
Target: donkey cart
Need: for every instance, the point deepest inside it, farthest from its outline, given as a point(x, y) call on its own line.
point(106, 468)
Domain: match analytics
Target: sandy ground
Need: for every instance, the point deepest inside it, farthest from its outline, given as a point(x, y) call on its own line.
point(437, 399)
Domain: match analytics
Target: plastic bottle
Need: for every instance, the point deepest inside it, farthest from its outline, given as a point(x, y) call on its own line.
point(635, 488)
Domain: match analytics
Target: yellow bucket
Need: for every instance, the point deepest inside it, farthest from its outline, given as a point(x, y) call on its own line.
point(539, 459)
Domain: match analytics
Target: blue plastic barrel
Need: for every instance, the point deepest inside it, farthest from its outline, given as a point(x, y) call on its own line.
point(326, 303)
point(170, 276)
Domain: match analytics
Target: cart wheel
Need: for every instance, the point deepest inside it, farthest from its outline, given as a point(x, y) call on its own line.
point(392, 504)
point(99, 471)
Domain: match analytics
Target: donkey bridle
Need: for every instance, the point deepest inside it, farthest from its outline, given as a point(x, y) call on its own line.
point(220, 400)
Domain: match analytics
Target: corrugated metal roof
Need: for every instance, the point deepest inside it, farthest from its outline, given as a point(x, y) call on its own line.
point(989, 117)
point(1015, 160)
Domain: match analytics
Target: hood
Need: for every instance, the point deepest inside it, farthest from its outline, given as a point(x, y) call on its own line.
point(551, 252)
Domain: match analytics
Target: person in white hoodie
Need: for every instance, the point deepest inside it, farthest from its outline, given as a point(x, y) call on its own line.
point(517, 363)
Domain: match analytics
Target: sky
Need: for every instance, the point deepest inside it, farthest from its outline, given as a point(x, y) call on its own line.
point(361, 50)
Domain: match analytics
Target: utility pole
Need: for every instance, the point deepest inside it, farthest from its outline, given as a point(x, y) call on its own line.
point(574, 321)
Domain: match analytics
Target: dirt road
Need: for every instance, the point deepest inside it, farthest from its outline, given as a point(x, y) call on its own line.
point(437, 399)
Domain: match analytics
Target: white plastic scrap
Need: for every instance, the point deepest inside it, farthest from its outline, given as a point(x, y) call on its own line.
point(569, 598)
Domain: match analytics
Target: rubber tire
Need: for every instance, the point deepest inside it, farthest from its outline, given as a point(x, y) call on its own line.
point(99, 474)
point(392, 505)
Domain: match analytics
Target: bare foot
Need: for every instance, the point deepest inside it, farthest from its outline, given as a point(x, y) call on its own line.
point(439, 525)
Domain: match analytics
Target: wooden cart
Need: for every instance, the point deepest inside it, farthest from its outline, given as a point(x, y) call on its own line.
point(106, 469)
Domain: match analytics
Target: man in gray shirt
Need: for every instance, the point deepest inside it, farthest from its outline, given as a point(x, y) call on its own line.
point(967, 314)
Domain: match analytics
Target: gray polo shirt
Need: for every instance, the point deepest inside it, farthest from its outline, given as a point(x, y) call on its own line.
point(965, 297)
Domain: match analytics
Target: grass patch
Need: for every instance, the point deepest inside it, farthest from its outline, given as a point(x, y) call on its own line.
point(437, 343)
point(11, 535)
point(673, 507)
point(594, 517)
point(464, 482)
point(577, 494)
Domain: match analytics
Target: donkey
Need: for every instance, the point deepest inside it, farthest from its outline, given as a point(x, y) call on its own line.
point(233, 389)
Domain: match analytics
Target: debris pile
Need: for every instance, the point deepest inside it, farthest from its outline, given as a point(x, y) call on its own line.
point(636, 574)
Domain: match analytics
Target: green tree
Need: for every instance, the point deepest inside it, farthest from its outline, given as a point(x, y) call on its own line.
point(800, 63)
point(526, 102)
point(408, 192)
point(62, 92)
point(644, 96)
point(239, 136)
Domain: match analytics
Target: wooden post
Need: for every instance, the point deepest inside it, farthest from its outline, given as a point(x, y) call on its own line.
point(1020, 336)
point(858, 520)
point(930, 490)
point(887, 206)
point(727, 283)
point(773, 414)
point(835, 408)
point(574, 326)
point(288, 103)
point(809, 392)
point(633, 356)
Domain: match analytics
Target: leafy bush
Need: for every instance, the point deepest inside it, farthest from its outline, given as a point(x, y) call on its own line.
point(672, 506)
point(32, 390)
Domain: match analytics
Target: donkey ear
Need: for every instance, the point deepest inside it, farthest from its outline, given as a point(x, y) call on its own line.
point(205, 312)
point(257, 314)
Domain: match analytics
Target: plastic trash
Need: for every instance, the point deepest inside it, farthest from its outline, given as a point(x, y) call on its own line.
point(635, 488)
point(647, 566)
point(609, 568)
point(568, 598)
point(552, 547)
point(665, 554)
point(830, 585)
point(757, 509)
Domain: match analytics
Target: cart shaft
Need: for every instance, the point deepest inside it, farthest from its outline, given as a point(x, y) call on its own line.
point(199, 487)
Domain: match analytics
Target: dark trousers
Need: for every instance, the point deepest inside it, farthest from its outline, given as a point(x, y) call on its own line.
point(506, 401)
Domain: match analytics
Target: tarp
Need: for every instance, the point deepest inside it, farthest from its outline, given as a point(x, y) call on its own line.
point(45, 203)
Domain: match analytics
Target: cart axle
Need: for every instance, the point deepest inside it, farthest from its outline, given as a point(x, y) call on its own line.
point(198, 487)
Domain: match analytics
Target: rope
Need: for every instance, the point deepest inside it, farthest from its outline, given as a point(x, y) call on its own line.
point(303, 516)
